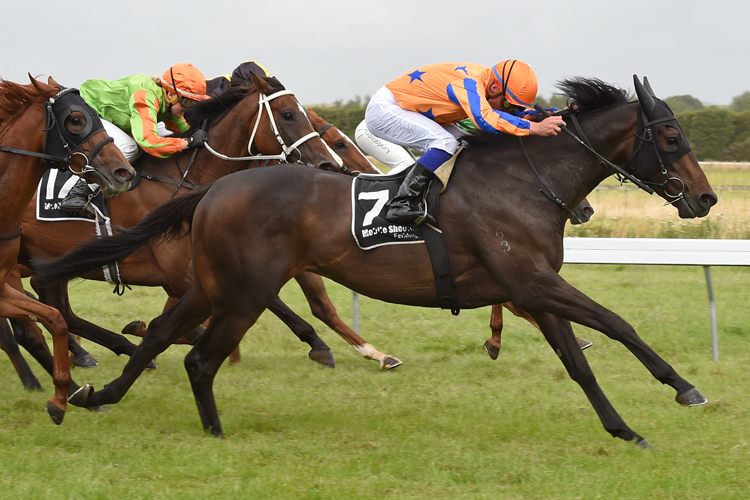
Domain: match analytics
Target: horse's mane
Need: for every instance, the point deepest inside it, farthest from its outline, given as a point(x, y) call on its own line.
point(213, 109)
point(584, 94)
point(15, 97)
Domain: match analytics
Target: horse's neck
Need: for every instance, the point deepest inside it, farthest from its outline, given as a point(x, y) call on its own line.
point(580, 171)
point(20, 174)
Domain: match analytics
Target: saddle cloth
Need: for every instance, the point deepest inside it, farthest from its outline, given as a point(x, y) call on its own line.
point(53, 187)
point(371, 192)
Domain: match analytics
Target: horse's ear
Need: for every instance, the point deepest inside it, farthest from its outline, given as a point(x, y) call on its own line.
point(51, 82)
point(260, 84)
point(646, 100)
point(648, 86)
point(39, 86)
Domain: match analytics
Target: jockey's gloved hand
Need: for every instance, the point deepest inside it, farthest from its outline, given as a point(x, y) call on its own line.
point(197, 139)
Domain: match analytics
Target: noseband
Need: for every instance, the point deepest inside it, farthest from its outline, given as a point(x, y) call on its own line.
point(60, 148)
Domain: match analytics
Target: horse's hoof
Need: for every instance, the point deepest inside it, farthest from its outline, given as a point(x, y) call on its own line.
point(136, 328)
point(84, 361)
point(643, 444)
point(493, 351)
point(323, 356)
point(56, 414)
point(151, 365)
point(583, 343)
point(79, 397)
point(390, 363)
point(693, 397)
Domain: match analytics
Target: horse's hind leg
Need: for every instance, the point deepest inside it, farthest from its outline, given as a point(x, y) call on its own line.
point(15, 304)
point(319, 351)
point(222, 336)
point(190, 311)
point(10, 346)
point(30, 337)
point(561, 338)
point(322, 308)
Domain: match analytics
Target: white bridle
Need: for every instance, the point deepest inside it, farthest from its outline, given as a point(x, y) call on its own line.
point(264, 103)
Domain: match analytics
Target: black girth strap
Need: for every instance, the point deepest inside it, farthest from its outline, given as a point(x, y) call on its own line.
point(441, 267)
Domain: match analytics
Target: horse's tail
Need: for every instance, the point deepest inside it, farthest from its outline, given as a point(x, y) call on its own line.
point(164, 223)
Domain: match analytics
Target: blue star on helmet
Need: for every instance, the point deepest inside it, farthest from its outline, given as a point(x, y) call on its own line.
point(428, 114)
point(416, 75)
point(462, 68)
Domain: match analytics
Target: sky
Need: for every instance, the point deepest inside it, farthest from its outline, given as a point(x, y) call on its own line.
point(338, 50)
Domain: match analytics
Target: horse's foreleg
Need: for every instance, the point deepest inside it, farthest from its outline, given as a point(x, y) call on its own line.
point(80, 356)
point(189, 312)
point(493, 344)
point(322, 308)
point(561, 299)
point(10, 346)
point(15, 304)
point(561, 338)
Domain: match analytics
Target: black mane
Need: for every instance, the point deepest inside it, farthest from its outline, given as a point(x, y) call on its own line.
point(216, 107)
point(585, 94)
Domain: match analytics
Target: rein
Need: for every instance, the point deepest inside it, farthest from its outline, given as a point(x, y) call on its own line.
point(264, 103)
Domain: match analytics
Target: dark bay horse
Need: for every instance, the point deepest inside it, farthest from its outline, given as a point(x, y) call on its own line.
point(44, 126)
point(503, 226)
point(312, 285)
point(168, 265)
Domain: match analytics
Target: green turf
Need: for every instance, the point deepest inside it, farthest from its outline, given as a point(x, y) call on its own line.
point(449, 423)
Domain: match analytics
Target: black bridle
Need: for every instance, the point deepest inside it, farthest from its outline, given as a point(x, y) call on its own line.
point(650, 119)
point(62, 146)
point(653, 115)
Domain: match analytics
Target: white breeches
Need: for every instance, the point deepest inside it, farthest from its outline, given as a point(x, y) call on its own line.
point(387, 120)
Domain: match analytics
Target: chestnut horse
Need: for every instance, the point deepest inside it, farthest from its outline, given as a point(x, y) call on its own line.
point(44, 126)
point(502, 221)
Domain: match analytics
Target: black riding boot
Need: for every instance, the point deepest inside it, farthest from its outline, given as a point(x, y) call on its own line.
point(405, 206)
point(77, 198)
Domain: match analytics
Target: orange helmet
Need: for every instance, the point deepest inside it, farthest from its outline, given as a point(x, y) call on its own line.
point(185, 80)
point(517, 82)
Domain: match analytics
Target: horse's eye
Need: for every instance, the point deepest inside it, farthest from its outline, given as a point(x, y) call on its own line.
point(75, 123)
point(287, 116)
point(341, 145)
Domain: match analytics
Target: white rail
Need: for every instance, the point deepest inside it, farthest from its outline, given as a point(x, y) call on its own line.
point(663, 251)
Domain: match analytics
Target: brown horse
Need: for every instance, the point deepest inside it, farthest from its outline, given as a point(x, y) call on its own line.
point(166, 266)
point(312, 285)
point(502, 222)
point(44, 125)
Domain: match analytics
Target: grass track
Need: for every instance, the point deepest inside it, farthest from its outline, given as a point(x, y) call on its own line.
point(449, 423)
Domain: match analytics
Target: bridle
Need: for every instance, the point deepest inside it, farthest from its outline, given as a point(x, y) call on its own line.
point(60, 148)
point(644, 134)
point(648, 126)
point(286, 151)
